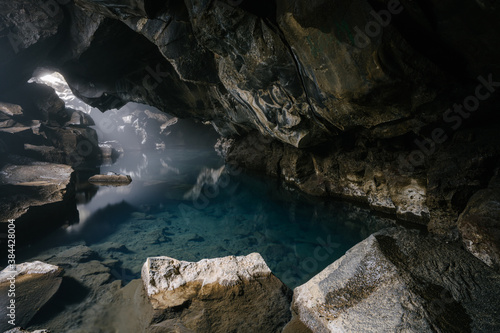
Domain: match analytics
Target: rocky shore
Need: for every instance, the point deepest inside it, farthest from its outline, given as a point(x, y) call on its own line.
point(396, 279)
point(42, 144)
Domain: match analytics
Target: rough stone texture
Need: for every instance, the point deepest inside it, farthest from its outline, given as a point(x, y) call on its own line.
point(43, 129)
point(377, 173)
point(230, 294)
point(20, 330)
point(344, 73)
point(397, 280)
point(28, 32)
point(29, 192)
point(113, 180)
point(86, 282)
point(129, 302)
point(37, 127)
point(35, 284)
point(370, 175)
point(479, 224)
point(10, 109)
point(298, 73)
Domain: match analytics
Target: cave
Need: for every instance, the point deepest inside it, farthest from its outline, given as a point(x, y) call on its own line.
point(249, 166)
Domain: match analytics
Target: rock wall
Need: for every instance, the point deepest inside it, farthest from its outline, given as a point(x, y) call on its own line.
point(42, 143)
point(299, 73)
point(379, 173)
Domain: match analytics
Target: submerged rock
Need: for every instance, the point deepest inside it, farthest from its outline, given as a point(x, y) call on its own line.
point(34, 285)
point(216, 295)
point(398, 280)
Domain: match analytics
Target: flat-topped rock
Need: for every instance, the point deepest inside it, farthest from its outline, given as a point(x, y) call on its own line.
point(217, 295)
point(39, 174)
point(38, 196)
point(399, 281)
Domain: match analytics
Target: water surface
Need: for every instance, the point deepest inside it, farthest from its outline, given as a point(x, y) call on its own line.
point(185, 203)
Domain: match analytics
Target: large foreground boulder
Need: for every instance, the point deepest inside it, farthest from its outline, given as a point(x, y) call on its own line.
point(400, 281)
point(479, 224)
point(30, 285)
point(230, 294)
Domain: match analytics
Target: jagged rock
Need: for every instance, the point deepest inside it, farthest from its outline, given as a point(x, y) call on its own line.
point(78, 118)
point(365, 174)
point(86, 282)
point(349, 79)
point(216, 295)
point(11, 110)
point(35, 284)
point(31, 191)
point(456, 171)
point(479, 226)
point(44, 153)
point(79, 144)
point(399, 280)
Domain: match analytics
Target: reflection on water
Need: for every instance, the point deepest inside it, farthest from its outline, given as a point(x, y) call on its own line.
point(184, 203)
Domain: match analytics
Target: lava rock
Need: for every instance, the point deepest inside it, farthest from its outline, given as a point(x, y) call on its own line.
point(400, 280)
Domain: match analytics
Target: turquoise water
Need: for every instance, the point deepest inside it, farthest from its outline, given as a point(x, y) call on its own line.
point(186, 204)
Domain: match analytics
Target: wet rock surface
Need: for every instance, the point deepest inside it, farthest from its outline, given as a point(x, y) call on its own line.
point(400, 280)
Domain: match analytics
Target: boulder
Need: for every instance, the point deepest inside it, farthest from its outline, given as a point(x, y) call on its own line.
point(34, 285)
point(399, 280)
point(30, 192)
point(479, 226)
point(216, 295)
point(78, 118)
point(11, 109)
point(115, 180)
